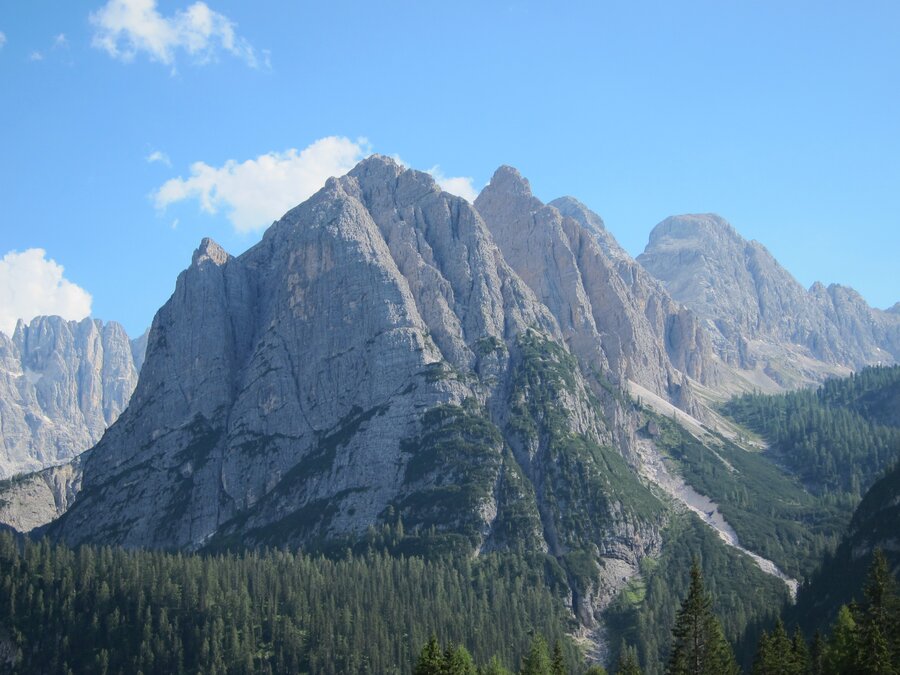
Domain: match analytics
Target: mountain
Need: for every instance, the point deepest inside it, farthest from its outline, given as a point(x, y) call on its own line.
point(62, 383)
point(31, 500)
point(760, 318)
point(373, 360)
point(614, 317)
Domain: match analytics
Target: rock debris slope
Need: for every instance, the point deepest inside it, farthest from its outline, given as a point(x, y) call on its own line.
point(759, 316)
point(374, 358)
point(62, 383)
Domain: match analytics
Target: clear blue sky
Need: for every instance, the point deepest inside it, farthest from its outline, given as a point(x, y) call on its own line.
point(783, 117)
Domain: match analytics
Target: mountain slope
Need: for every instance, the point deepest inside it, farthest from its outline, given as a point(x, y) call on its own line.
point(62, 383)
point(757, 313)
point(612, 315)
point(374, 359)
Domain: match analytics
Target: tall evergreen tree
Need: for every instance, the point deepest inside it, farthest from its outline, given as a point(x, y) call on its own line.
point(537, 660)
point(558, 664)
point(628, 661)
point(699, 646)
point(877, 621)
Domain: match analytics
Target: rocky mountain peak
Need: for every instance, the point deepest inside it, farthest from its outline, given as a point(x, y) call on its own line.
point(760, 317)
point(895, 309)
point(210, 251)
point(509, 182)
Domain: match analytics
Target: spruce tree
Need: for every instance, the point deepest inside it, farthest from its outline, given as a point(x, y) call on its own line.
point(877, 620)
point(431, 658)
point(558, 665)
point(699, 646)
point(628, 661)
point(537, 660)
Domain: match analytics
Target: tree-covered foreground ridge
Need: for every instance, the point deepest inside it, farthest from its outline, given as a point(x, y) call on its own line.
point(100, 610)
point(396, 603)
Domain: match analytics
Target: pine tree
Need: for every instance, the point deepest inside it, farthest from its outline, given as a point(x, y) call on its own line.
point(840, 650)
point(558, 665)
point(537, 660)
point(699, 646)
point(774, 656)
point(628, 661)
point(877, 620)
point(431, 659)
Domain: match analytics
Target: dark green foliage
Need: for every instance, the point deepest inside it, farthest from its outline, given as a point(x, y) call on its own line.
point(772, 514)
point(644, 614)
point(537, 660)
point(453, 467)
point(878, 621)
point(109, 610)
point(837, 438)
point(777, 654)
point(699, 646)
point(628, 663)
point(841, 576)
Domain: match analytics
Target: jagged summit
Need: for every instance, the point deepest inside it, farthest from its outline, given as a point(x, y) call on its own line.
point(209, 250)
point(508, 180)
point(61, 384)
point(760, 317)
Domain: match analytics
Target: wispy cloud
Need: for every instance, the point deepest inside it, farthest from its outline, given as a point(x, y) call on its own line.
point(126, 28)
point(461, 186)
point(32, 284)
point(157, 156)
point(2, 39)
point(60, 41)
point(257, 191)
point(35, 56)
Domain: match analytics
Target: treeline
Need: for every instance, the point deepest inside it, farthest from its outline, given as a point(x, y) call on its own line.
point(106, 610)
point(864, 640)
point(837, 438)
point(644, 614)
point(771, 512)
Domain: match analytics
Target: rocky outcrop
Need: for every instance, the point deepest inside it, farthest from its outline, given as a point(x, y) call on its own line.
point(613, 315)
point(62, 383)
point(31, 500)
point(758, 315)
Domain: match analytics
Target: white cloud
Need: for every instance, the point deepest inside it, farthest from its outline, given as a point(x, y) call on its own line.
point(32, 285)
point(159, 156)
point(2, 39)
point(461, 186)
point(60, 41)
point(126, 28)
point(35, 56)
point(258, 191)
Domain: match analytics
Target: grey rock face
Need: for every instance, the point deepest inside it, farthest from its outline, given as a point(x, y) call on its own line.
point(62, 383)
point(375, 356)
point(32, 500)
point(613, 314)
point(756, 311)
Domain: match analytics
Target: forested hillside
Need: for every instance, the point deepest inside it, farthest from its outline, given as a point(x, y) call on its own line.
point(837, 438)
point(105, 610)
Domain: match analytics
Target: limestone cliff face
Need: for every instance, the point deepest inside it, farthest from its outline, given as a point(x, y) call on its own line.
point(62, 383)
point(756, 312)
point(374, 357)
point(32, 500)
point(613, 315)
